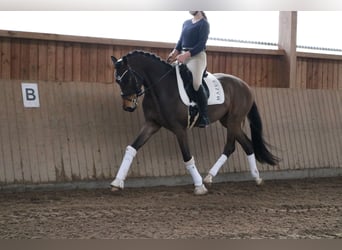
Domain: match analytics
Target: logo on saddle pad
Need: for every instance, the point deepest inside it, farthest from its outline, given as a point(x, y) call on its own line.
point(216, 94)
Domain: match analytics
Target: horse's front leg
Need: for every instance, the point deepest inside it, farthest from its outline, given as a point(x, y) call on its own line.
point(146, 132)
point(189, 162)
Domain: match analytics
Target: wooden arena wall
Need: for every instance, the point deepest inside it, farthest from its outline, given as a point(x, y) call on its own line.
point(79, 132)
point(60, 58)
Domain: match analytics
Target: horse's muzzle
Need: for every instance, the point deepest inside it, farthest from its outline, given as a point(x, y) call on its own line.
point(130, 103)
point(129, 109)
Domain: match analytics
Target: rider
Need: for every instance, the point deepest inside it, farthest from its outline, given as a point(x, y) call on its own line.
point(190, 50)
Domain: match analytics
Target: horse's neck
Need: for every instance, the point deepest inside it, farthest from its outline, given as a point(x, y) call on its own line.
point(154, 75)
point(160, 85)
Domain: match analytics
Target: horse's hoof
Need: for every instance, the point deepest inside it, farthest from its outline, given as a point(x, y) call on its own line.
point(200, 190)
point(208, 180)
point(117, 185)
point(114, 189)
point(259, 182)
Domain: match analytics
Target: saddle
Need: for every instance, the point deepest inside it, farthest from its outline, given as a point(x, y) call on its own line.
point(187, 94)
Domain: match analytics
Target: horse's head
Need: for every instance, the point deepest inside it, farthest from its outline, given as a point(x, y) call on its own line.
point(130, 83)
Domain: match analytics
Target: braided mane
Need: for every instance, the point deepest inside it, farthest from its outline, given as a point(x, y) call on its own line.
point(149, 55)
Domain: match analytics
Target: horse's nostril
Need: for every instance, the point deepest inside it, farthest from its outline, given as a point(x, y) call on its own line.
point(129, 109)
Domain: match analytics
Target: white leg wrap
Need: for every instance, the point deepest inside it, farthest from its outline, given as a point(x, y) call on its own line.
point(253, 166)
point(124, 167)
point(191, 167)
point(217, 166)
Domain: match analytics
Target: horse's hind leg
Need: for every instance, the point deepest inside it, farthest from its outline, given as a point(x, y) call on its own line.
point(247, 146)
point(229, 148)
point(235, 133)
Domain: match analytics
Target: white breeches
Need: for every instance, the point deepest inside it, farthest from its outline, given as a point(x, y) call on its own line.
point(197, 64)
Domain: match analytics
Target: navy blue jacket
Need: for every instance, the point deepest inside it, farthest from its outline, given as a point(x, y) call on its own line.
point(194, 36)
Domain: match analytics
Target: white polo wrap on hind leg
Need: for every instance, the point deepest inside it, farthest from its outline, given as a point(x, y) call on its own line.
point(217, 166)
point(125, 165)
point(253, 166)
point(191, 167)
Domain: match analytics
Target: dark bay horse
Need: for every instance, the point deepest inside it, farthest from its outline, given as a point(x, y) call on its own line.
point(140, 72)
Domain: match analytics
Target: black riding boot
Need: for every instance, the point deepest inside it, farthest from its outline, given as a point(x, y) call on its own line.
point(202, 102)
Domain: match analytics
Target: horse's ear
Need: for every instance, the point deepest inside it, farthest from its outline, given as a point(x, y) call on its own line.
point(114, 60)
point(124, 59)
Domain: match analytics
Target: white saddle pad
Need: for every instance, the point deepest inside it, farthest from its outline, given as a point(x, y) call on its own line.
point(215, 89)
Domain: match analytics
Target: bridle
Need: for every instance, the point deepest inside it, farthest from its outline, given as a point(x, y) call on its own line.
point(138, 91)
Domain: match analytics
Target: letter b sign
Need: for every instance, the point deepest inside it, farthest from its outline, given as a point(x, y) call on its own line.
point(30, 95)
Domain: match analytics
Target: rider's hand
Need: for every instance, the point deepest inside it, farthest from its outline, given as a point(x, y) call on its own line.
point(172, 56)
point(183, 57)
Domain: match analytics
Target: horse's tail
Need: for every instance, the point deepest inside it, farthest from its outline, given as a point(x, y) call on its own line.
point(262, 154)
